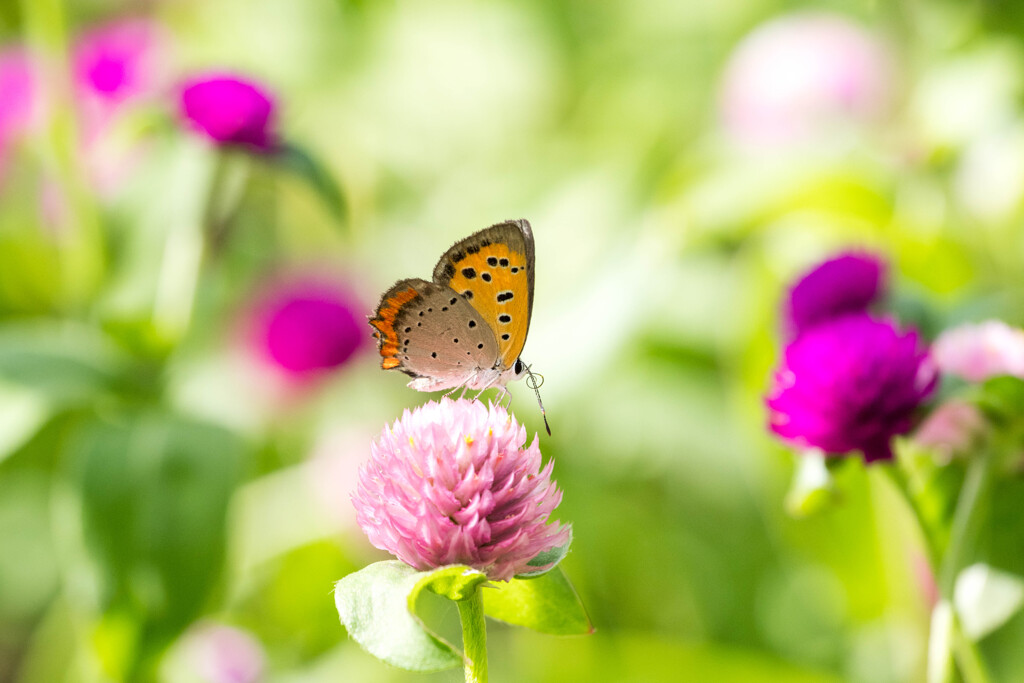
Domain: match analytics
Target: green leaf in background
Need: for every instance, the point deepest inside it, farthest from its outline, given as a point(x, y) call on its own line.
point(546, 603)
point(154, 491)
point(549, 557)
point(1002, 398)
point(306, 166)
point(23, 412)
point(985, 598)
point(374, 606)
point(812, 489)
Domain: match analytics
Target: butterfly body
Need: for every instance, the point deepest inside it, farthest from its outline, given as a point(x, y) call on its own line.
point(467, 326)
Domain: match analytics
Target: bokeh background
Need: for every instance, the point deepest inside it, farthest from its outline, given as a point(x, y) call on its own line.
point(174, 491)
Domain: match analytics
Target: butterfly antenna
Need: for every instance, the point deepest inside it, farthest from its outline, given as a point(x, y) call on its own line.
point(534, 383)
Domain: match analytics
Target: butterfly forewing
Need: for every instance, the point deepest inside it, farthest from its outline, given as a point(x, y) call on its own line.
point(428, 330)
point(493, 270)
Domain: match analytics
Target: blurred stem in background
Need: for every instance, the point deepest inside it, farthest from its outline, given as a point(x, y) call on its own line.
point(82, 250)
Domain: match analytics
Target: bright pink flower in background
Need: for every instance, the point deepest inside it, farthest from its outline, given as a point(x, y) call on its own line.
point(978, 352)
point(19, 94)
point(794, 77)
point(231, 110)
point(850, 384)
point(121, 60)
point(848, 283)
point(224, 654)
point(453, 482)
point(304, 328)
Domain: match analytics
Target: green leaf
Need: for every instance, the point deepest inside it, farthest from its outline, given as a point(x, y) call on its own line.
point(374, 605)
point(985, 598)
point(1002, 398)
point(456, 582)
point(304, 165)
point(154, 490)
point(548, 558)
point(22, 413)
point(546, 603)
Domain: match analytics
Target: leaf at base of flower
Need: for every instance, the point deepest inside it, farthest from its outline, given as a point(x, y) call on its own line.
point(373, 604)
point(547, 604)
point(547, 560)
point(456, 582)
point(985, 598)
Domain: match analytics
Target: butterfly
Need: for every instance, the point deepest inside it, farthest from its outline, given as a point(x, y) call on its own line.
point(467, 326)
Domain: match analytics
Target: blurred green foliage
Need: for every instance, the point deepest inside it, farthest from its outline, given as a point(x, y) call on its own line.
point(151, 477)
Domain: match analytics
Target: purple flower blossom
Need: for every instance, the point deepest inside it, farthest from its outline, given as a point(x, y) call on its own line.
point(848, 283)
point(797, 76)
point(454, 483)
point(850, 384)
point(304, 328)
point(231, 110)
point(978, 352)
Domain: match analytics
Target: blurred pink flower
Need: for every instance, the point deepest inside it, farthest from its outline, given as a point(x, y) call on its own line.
point(454, 483)
point(19, 96)
point(978, 352)
point(121, 60)
point(793, 77)
point(304, 328)
point(224, 654)
point(951, 429)
point(231, 111)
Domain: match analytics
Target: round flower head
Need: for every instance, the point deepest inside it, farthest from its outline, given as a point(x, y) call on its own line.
point(304, 328)
point(230, 111)
point(850, 384)
point(454, 483)
point(796, 77)
point(848, 283)
point(978, 352)
point(120, 60)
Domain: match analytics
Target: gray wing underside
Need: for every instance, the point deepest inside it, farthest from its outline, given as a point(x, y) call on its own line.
point(442, 337)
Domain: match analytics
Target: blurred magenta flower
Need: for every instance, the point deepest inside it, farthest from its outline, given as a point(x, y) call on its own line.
point(224, 654)
point(850, 384)
point(304, 328)
point(19, 96)
point(119, 61)
point(796, 76)
point(454, 483)
point(231, 111)
point(978, 352)
point(848, 283)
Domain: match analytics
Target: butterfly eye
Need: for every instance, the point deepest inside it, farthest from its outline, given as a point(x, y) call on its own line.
point(518, 368)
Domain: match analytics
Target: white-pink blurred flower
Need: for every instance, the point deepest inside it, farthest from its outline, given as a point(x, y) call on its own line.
point(799, 76)
point(977, 352)
point(951, 429)
point(225, 654)
point(19, 97)
point(453, 482)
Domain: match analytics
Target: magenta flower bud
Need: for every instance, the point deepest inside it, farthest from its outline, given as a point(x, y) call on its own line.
point(978, 352)
point(454, 483)
point(306, 328)
point(848, 283)
point(797, 76)
point(850, 384)
point(231, 111)
point(119, 61)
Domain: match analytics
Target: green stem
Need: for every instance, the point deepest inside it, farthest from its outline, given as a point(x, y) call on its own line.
point(474, 637)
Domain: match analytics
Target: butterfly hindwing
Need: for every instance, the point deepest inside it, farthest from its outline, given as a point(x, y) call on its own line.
point(427, 330)
point(494, 270)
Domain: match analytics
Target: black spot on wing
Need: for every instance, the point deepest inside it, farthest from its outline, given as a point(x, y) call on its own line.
point(468, 273)
point(505, 296)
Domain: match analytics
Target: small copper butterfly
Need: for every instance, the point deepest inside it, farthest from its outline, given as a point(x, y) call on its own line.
point(466, 327)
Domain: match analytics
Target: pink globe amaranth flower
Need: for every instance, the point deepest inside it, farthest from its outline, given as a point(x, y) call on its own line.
point(951, 429)
point(224, 654)
point(796, 76)
point(978, 352)
point(19, 93)
point(848, 283)
point(305, 328)
point(454, 483)
point(230, 111)
point(119, 61)
point(850, 384)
